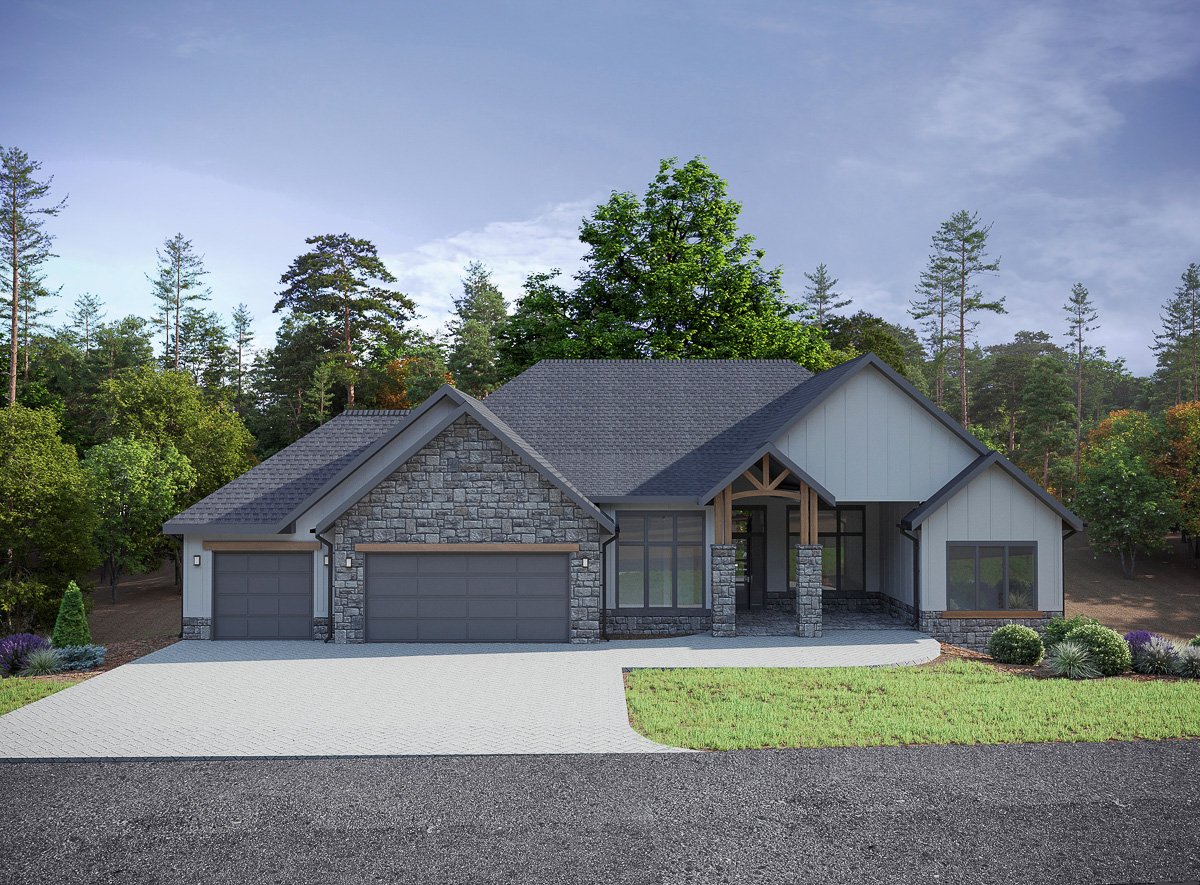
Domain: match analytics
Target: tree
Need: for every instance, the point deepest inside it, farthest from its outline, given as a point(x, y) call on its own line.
point(338, 284)
point(243, 337)
point(962, 242)
point(318, 399)
point(1128, 505)
point(205, 354)
point(1178, 344)
point(819, 298)
point(33, 316)
point(539, 328)
point(177, 285)
point(71, 626)
point(46, 518)
point(1047, 412)
point(479, 318)
point(1081, 319)
point(932, 307)
point(135, 486)
point(411, 378)
point(24, 241)
point(86, 316)
point(1180, 462)
point(1000, 381)
point(866, 333)
point(666, 275)
point(163, 407)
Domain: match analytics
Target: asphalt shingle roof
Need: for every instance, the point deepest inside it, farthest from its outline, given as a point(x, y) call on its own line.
point(269, 492)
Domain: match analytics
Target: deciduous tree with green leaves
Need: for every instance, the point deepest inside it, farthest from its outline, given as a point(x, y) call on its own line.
point(342, 285)
point(135, 486)
point(866, 333)
point(479, 318)
point(24, 241)
point(1047, 418)
point(1180, 462)
point(1128, 504)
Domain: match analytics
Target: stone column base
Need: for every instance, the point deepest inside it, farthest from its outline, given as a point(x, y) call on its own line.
point(808, 590)
point(197, 628)
point(724, 590)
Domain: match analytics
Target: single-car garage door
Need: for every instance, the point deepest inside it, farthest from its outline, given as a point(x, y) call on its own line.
point(262, 595)
point(467, 597)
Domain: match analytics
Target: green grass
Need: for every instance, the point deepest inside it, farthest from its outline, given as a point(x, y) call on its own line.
point(17, 691)
point(957, 702)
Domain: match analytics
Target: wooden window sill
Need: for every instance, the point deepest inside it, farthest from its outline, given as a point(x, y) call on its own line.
point(993, 614)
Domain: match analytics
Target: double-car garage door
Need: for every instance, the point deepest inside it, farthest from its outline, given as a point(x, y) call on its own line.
point(467, 597)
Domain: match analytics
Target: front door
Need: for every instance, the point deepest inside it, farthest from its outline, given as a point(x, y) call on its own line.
point(750, 552)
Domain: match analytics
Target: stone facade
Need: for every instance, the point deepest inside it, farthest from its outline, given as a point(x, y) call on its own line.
point(974, 633)
point(465, 486)
point(808, 590)
point(320, 628)
point(197, 628)
point(724, 590)
point(622, 625)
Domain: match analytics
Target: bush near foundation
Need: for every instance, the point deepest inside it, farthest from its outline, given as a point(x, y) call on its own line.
point(1058, 628)
point(1109, 652)
point(1016, 644)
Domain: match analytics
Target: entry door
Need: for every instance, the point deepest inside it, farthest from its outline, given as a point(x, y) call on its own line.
point(750, 553)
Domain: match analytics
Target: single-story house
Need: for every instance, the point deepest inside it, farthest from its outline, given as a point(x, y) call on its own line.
point(593, 499)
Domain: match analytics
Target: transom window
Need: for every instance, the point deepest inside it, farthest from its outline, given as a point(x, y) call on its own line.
point(991, 576)
point(660, 560)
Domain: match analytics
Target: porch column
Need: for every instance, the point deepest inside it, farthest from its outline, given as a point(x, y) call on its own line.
point(808, 590)
point(724, 590)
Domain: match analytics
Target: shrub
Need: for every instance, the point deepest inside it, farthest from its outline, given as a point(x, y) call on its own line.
point(1016, 644)
point(71, 627)
point(1110, 653)
point(81, 657)
point(15, 649)
point(1157, 657)
point(1058, 628)
point(1136, 639)
point(1072, 660)
point(41, 662)
point(1189, 661)
point(1195, 641)
point(27, 606)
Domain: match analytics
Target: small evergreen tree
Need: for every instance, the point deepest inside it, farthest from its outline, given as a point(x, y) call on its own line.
point(819, 298)
point(71, 626)
point(480, 316)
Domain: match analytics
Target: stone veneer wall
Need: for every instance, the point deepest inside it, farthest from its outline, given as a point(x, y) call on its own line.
point(808, 590)
point(897, 608)
point(974, 633)
point(320, 628)
point(197, 628)
point(465, 486)
point(619, 624)
point(724, 590)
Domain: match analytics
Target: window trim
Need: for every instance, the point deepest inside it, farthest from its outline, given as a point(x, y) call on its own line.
point(836, 535)
point(674, 544)
point(1005, 545)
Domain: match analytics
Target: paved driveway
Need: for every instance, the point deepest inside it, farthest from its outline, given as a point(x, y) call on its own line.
point(260, 699)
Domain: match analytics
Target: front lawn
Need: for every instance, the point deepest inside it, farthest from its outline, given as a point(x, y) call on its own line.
point(19, 691)
point(954, 702)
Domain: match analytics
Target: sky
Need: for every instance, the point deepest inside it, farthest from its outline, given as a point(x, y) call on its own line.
point(457, 131)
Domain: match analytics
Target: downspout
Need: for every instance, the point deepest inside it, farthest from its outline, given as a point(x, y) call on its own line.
point(604, 583)
point(916, 540)
point(328, 545)
point(1062, 577)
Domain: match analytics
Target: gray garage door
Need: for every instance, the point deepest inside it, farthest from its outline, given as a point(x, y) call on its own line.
point(474, 597)
point(262, 595)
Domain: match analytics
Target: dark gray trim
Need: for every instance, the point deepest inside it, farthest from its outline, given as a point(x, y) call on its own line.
point(924, 510)
point(650, 500)
point(848, 370)
point(775, 452)
point(950, 545)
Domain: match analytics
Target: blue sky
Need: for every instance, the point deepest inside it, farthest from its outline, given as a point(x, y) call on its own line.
point(458, 131)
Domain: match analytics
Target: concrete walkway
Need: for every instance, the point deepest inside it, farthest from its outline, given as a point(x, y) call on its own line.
point(268, 699)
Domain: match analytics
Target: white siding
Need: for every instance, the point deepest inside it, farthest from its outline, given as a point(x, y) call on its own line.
point(895, 551)
point(870, 441)
point(992, 507)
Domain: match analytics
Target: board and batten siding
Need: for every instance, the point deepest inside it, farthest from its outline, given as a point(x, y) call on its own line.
point(992, 507)
point(870, 441)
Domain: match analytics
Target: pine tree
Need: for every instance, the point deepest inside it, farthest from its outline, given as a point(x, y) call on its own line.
point(33, 315)
point(204, 353)
point(962, 240)
point(243, 337)
point(71, 626)
point(819, 297)
point(318, 399)
point(1178, 344)
point(1081, 319)
point(1047, 415)
point(84, 319)
point(479, 318)
point(24, 241)
point(177, 286)
point(933, 307)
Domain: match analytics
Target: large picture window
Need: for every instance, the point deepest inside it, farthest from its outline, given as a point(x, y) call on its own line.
point(991, 576)
point(660, 560)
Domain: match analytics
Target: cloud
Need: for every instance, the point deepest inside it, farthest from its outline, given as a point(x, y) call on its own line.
point(432, 272)
point(1042, 84)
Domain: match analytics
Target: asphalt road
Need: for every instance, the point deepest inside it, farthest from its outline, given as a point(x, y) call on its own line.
point(1061, 813)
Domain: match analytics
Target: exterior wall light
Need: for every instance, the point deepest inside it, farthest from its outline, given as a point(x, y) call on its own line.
point(326, 560)
point(585, 562)
point(349, 562)
point(196, 559)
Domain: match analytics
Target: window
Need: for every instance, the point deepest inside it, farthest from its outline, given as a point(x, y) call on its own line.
point(660, 560)
point(991, 576)
point(842, 534)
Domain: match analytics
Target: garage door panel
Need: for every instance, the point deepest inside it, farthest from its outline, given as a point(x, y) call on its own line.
point(262, 595)
point(448, 597)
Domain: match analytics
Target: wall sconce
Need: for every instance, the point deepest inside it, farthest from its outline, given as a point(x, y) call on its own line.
point(196, 559)
point(326, 560)
point(349, 562)
point(585, 562)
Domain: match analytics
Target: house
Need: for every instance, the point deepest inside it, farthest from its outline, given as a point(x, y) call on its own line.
point(593, 499)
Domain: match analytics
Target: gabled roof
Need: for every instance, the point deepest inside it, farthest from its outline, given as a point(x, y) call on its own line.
point(923, 511)
point(774, 451)
point(658, 429)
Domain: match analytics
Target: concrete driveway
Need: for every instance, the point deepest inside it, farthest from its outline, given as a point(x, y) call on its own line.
point(271, 699)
